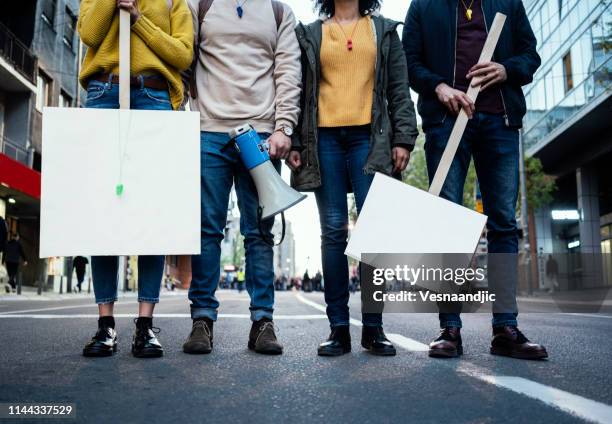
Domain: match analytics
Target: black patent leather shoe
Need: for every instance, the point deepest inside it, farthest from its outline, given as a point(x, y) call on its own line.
point(104, 343)
point(374, 340)
point(145, 343)
point(338, 342)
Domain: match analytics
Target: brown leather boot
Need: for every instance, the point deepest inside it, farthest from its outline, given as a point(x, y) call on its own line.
point(262, 338)
point(448, 344)
point(509, 341)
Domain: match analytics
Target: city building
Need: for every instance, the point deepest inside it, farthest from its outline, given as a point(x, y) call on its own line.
point(568, 127)
point(39, 63)
point(284, 253)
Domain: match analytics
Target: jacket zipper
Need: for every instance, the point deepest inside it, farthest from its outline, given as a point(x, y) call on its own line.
point(501, 92)
point(455, 60)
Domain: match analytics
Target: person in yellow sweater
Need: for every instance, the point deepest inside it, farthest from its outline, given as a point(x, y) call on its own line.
point(356, 119)
point(161, 47)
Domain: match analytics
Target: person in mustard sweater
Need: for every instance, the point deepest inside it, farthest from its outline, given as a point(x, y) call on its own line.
point(357, 118)
point(161, 48)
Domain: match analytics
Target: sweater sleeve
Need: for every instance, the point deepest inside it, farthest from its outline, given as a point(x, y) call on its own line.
point(95, 18)
point(287, 72)
point(175, 48)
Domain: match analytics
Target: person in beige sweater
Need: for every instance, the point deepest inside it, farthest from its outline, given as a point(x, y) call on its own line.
point(247, 70)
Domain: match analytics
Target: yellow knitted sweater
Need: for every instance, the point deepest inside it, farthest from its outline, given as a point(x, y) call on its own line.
point(161, 41)
point(347, 76)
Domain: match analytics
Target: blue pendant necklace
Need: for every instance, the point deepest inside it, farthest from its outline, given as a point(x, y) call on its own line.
point(239, 9)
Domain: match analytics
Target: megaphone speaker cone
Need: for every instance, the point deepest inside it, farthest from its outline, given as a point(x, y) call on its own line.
point(275, 196)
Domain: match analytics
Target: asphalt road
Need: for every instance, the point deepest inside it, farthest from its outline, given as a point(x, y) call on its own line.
point(40, 361)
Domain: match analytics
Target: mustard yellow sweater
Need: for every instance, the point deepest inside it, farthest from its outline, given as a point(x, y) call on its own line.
point(347, 76)
point(161, 41)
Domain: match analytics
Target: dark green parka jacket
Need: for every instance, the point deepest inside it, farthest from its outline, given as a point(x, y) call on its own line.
point(393, 118)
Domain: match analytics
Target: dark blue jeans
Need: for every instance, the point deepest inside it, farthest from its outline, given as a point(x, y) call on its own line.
point(495, 149)
point(104, 268)
point(343, 153)
point(222, 167)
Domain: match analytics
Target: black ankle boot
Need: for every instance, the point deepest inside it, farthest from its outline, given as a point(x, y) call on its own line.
point(338, 343)
point(374, 340)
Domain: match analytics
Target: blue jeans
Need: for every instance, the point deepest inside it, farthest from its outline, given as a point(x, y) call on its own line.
point(343, 153)
point(222, 166)
point(102, 95)
point(495, 149)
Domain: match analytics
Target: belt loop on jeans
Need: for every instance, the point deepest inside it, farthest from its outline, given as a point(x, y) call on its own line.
point(141, 81)
point(109, 83)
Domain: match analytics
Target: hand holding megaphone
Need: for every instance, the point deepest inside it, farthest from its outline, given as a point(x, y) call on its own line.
point(275, 196)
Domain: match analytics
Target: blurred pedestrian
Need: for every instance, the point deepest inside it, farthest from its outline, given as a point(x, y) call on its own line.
point(79, 264)
point(13, 254)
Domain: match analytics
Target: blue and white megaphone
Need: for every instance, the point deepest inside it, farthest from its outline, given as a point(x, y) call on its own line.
point(275, 196)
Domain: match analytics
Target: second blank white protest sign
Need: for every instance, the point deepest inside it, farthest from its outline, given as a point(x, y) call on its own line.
point(88, 152)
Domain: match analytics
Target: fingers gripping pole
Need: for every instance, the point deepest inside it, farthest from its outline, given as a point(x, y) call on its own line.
point(462, 119)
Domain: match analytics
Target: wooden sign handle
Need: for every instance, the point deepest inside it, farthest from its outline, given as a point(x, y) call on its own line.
point(462, 119)
point(125, 28)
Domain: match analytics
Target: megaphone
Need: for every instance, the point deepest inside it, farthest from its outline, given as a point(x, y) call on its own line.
point(275, 196)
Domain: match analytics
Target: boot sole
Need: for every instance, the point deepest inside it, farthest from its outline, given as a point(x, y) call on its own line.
point(251, 346)
point(148, 353)
point(442, 353)
point(508, 353)
point(99, 353)
point(198, 349)
point(334, 352)
point(379, 352)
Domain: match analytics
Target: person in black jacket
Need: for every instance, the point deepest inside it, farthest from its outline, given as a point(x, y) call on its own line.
point(13, 253)
point(443, 40)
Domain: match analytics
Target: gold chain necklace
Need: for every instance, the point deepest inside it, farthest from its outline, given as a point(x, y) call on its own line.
point(468, 10)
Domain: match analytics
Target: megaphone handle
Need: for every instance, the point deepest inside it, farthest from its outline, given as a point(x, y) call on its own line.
point(270, 240)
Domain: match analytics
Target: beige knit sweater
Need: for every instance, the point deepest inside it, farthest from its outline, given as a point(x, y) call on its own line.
point(247, 70)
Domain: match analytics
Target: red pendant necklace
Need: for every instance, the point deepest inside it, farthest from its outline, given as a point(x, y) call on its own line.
point(349, 40)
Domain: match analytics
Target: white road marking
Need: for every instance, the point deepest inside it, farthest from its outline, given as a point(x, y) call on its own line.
point(245, 316)
point(407, 343)
point(402, 341)
point(587, 315)
point(575, 405)
point(322, 308)
point(59, 308)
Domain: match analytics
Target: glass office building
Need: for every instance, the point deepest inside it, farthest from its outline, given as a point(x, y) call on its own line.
point(568, 125)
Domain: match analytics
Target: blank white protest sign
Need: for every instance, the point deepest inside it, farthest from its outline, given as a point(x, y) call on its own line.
point(399, 218)
point(159, 210)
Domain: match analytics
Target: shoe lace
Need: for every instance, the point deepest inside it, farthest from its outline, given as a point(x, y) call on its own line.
point(266, 326)
point(200, 326)
point(445, 334)
point(101, 334)
point(520, 337)
point(155, 330)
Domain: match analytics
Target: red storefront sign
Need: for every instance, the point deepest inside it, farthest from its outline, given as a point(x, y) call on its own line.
point(19, 177)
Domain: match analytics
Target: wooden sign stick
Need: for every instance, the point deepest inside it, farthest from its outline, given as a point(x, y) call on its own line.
point(125, 29)
point(462, 118)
